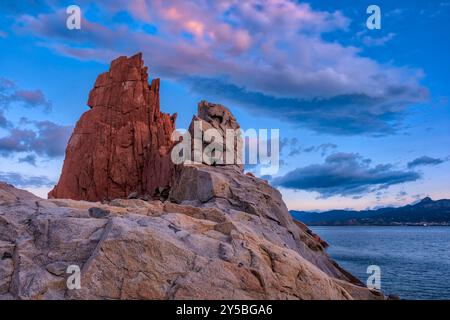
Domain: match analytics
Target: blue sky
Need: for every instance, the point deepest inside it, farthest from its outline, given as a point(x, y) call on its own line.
point(364, 115)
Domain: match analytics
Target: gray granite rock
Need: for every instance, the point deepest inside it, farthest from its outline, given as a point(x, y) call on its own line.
point(235, 240)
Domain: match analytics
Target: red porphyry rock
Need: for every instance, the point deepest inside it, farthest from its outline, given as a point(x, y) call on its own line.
point(122, 144)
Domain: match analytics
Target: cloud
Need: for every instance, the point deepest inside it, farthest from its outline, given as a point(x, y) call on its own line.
point(18, 140)
point(425, 161)
point(32, 98)
point(290, 144)
point(285, 142)
point(45, 139)
point(4, 123)
point(324, 148)
point(395, 12)
point(344, 174)
point(341, 115)
point(401, 195)
point(6, 84)
point(30, 159)
point(10, 94)
point(377, 42)
point(268, 56)
point(294, 151)
point(295, 148)
point(24, 181)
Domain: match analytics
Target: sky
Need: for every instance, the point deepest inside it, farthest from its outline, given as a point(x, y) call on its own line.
point(364, 115)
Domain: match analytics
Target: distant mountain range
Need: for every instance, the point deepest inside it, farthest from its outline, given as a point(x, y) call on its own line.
point(425, 212)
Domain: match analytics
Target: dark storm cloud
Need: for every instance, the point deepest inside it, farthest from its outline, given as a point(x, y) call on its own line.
point(425, 161)
point(344, 174)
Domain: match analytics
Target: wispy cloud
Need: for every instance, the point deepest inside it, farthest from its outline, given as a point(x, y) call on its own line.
point(323, 148)
point(377, 42)
point(291, 147)
point(425, 161)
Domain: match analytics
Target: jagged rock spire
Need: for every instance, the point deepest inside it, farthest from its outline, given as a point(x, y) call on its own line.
point(122, 145)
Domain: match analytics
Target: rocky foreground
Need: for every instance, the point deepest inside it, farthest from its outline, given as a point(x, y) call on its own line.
point(140, 227)
point(228, 236)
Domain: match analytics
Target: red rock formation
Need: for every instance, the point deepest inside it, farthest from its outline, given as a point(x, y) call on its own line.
point(122, 145)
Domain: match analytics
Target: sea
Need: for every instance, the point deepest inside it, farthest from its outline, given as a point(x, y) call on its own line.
point(414, 262)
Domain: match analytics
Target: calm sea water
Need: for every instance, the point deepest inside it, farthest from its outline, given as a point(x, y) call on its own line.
point(414, 261)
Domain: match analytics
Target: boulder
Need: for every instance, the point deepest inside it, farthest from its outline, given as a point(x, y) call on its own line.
point(217, 117)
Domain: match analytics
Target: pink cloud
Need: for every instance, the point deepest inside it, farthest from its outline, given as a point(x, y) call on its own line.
point(139, 9)
point(274, 48)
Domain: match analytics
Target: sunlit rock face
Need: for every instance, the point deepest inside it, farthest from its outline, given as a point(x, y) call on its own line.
point(122, 144)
